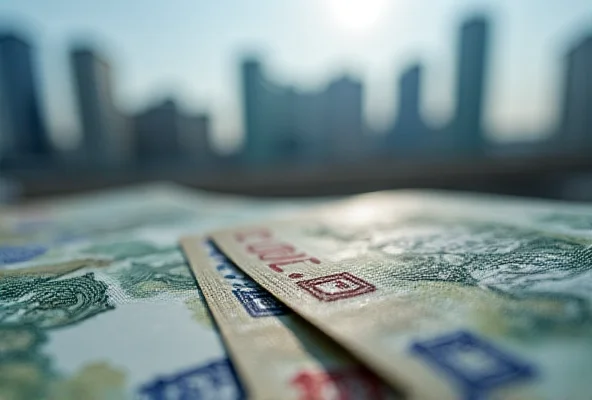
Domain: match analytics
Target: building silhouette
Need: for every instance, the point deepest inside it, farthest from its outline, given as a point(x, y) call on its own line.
point(409, 133)
point(576, 115)
point(195, 134)
point(344, 119)
point(23, 135)
point(256, 145)
point(467, 127)
point(165, 135)
point(269, 112)
point(283, 124)
point(310, 126)
point(105, 134)
point(157, 133)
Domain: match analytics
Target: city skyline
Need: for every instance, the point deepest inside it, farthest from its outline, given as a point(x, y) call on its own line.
point(380, 54)
point(284, 123)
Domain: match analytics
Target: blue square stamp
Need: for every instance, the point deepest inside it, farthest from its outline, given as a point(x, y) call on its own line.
point(476, 365)
point(259, 303)
point(216, 380)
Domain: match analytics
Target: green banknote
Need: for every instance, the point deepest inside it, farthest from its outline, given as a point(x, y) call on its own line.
point(445, 296)
point(97, 301)
point(277, 354)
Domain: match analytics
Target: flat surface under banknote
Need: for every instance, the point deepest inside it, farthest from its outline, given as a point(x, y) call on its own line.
point(278, 355)
point(97, 301)
point(444, 295)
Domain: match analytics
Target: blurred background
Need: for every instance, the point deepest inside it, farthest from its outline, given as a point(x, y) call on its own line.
point(297, 98)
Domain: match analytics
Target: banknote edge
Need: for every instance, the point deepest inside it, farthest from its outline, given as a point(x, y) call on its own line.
point(192, 246)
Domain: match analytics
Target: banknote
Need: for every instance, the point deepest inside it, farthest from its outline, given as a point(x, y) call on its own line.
point(444, 295)
point(55, 231)
point(134, 327)
point(97, 301)
point(276, 352)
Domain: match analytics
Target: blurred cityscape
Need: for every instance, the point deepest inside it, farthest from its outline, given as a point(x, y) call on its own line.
point(283, 125)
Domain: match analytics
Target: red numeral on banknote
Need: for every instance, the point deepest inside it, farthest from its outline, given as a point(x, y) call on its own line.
point(277, 254)
point(259, 241)
point(337, 286)
point(347, 383)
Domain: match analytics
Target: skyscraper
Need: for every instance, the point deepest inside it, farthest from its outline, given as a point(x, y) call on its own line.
point(467, 127)
point(310, 126)
point(344, 116)
point(22, 130)
point(166, 135)
point(253, 111)
point(409, 131)
point(576, 119)
point(157, 132)
point(195, 138)
point(105, 139)
point(268, 115)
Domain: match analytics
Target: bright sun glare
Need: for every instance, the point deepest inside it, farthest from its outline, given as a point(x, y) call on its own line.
point(356, 15)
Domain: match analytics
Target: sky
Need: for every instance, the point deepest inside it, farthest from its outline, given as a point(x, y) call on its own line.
point(191, 49)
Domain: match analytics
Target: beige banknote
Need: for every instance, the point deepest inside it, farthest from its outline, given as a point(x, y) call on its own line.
point(444, 295)
point(278, 354)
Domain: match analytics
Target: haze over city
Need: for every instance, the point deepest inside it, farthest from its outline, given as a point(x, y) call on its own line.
point(191, 52)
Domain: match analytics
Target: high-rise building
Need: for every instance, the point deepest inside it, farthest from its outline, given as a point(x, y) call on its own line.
point(467, 127)
point(195, 131)
point(165, 135)
point(409, 130)
point(285, 140)
point(23, 134)
point(105, 138)
point(268, 115)
point(310, 126)
point(576, 119)
point(256, 146)
point(157, 133)
point(344, 116)
point(283, 124)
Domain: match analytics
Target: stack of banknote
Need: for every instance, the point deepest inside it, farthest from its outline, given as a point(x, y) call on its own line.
point(161, 292)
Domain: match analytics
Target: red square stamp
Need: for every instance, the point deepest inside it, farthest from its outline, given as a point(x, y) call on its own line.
point(337, 286)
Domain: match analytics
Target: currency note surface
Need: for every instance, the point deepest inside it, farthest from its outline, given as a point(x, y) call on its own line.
point(445, 296)
point(50, 232)
point(278, 355)
point(97, 301)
